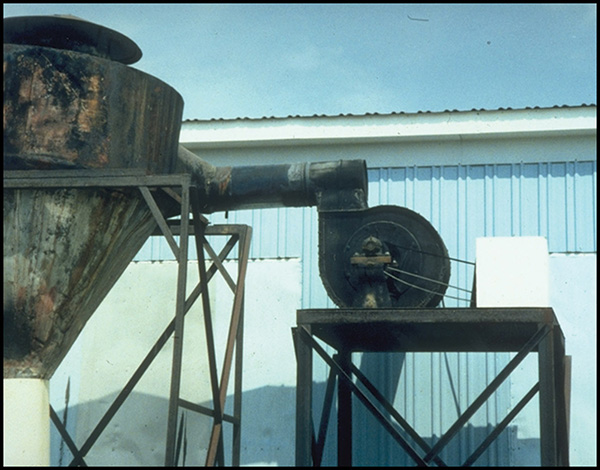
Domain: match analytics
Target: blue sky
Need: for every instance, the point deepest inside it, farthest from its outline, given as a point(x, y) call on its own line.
point(256, 60)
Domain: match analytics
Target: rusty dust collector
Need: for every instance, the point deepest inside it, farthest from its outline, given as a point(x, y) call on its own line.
point(71, 102)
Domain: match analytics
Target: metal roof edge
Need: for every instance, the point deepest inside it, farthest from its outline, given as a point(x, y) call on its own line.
point(376, 128)
point(393, 113)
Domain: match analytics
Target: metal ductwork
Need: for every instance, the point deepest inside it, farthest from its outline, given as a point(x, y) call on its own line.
point(327, 185)
point(385, 256)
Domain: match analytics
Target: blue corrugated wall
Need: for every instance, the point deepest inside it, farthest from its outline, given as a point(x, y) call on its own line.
point(555, 200)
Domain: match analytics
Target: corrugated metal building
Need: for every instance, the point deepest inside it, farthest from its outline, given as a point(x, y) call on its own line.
point(478, 173)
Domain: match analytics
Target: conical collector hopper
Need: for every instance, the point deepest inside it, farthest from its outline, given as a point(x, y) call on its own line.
point(63, 251)
point(75, 108)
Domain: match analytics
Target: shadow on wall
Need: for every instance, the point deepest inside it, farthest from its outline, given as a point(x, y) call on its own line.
point(136, 435)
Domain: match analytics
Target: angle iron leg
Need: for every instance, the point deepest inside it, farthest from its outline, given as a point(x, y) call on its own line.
point(243, 255)
point(344, 412)
point(237, 395)
point(548, 403)
point(179, 320)
point(304, 430)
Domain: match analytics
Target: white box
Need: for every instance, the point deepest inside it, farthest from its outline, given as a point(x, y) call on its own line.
point(512, 272)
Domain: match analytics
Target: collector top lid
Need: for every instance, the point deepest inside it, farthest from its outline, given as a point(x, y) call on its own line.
point(71, 33)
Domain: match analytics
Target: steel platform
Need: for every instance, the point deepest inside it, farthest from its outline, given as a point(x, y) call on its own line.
point(519, 330)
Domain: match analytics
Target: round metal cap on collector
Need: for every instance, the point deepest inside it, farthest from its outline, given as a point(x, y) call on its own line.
point(71, 33)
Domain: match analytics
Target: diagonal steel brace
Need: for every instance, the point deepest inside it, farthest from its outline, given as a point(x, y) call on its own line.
point(307, 338)
point(488, 391)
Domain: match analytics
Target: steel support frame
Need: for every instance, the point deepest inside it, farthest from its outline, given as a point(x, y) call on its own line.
point(239, 234)
point(552, 388)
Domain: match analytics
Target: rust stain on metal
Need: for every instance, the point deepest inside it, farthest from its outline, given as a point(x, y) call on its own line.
point(224, 182)
point(58, 113)
point(66, 109)
point(90, 107)
point(61, 261)
point(44, 310)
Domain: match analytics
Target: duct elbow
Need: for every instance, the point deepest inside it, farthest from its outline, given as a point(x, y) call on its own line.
point(339, 186)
